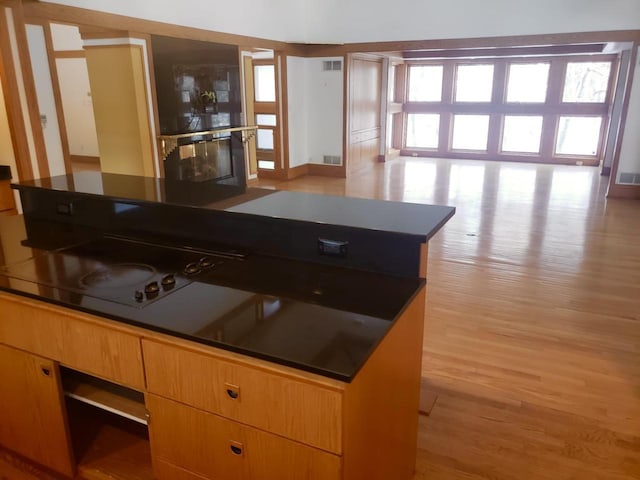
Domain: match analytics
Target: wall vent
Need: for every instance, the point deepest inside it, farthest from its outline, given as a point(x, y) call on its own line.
point(332, 65)
point(331, 160)
point(630, 178)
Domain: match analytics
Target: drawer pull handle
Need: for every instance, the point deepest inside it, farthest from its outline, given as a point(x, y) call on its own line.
point(232, 393)
point(45, 371)
point(236, 450)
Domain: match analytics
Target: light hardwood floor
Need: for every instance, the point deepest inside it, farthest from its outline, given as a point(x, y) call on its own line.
point(532, 338)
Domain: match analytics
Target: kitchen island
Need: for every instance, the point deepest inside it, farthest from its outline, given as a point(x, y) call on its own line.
point(253, 337)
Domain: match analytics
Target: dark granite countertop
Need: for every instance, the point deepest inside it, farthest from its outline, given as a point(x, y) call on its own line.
point(319, 318)
point(415, 220)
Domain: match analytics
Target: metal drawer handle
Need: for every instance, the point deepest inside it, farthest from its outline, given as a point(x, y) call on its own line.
point(233, 391)
point(236, 448)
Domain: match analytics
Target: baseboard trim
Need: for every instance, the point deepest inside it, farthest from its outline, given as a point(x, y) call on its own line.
point(326, 170)
point(631, 192)
point(299, 171)
point(84, 158)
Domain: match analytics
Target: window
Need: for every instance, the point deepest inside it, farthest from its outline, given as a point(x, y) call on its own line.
point(550, 108)
point(265, 139)
point(425, 83)
point(528, 82)
point(586, 82)
point(470, 132)
point(391, 92)
point(474, 83)
point(578, 135)
point(266, 119)
point(265, 83)
point(521, 134)
point(423, 130)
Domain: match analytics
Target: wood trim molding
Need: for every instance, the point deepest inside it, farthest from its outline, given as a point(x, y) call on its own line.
point(614, 189)
point(282, 97)
point(479, 42)
point(15, 115)
point(31, 93)
point(617, 190)
point(70, 54)
point(299, 171)
point(321, 170)
point(85, 159)
point(57, 96)
point(82, 16)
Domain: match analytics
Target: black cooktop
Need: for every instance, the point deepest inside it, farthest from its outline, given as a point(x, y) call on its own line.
point(318, 318)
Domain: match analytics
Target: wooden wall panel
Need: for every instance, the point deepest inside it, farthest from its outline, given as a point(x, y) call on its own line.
point(363, 118)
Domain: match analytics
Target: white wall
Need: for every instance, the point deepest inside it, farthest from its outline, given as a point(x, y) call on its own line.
point(273, 19)
point(297, 111)
point(325, 109)
point(382, 20)
point(315, 100)
point(630, 151)
point(77, 106)
point(46, 100)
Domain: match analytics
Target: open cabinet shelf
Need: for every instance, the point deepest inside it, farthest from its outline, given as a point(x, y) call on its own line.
point(104, 395)
point(108, 428)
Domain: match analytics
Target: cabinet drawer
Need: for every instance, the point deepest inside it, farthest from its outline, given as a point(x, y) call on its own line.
point(218, 448)
point(311, 414)
point(51, 333)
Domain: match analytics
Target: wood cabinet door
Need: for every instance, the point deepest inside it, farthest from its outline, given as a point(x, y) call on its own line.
point(217, 448)
point(32, 414)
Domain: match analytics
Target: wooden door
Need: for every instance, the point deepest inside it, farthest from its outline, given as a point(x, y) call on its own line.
point(32, 416)
point(365, 97)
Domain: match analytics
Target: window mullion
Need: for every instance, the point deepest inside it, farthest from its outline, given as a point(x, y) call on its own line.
point(497, 106)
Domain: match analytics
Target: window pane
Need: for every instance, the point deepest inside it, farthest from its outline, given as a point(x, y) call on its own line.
point(470, 132)
point(528, 82)
point(521, 134)
point(265, 83)
point(265, 119)
point(265, 139)
point(578, 135)
point(266, 164)
point(586, 82)
point(474, 83)
point(423, 130)
point(425, 83)
point(392, 84)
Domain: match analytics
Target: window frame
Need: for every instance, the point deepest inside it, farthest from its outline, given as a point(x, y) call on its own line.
point(551, 109)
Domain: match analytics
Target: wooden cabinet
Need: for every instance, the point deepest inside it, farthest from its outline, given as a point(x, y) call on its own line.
point(33, 420)
point(218, 448)
point(75, 340)
point(307, 412)
point(214, 414)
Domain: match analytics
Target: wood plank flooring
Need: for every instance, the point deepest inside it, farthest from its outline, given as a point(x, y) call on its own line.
point(532, 338)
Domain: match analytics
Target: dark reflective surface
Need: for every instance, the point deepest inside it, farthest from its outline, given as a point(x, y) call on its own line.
point(319, 318)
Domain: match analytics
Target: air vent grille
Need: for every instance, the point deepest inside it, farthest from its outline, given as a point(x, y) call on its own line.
point(332, 65)
point(630, 178)
point(332, 160)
